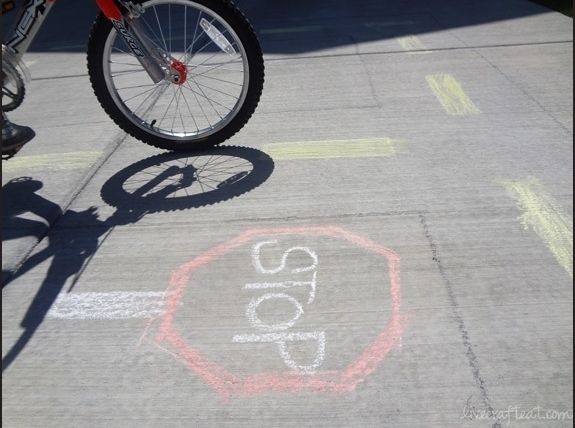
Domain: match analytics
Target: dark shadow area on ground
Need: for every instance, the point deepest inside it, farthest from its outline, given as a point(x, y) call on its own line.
point(161, 183)
point(563, 6)
point(300, 26)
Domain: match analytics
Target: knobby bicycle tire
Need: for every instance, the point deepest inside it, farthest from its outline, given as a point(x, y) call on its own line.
point(233, 17)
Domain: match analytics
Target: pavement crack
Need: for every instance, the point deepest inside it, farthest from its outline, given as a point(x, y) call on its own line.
point(525, 92)
point(469, 351)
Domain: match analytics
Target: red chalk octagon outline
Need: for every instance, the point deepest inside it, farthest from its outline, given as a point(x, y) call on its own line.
point(225, 383)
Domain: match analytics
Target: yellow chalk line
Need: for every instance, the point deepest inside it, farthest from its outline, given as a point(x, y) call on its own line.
point(52, 162)
point(372, 147)
point(451, 95)
point(412, 44)
point(542, 214)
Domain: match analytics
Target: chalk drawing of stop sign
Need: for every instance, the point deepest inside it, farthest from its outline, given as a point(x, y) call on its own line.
point(284, 310)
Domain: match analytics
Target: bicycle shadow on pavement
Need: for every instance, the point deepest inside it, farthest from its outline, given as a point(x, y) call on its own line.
point(165, 182)
point(169, 182)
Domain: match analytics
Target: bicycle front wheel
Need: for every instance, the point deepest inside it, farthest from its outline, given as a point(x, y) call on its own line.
point(220, 62)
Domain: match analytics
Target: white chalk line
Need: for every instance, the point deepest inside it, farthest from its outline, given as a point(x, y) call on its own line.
point(117, 305)
point(256, 251)
point(282, 340)
point(287, 284)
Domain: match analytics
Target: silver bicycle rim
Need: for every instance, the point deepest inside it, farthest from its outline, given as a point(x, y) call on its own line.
point(217, 82)
point(12, 87)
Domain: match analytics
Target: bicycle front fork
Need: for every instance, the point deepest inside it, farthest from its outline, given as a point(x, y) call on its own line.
point(154, 61)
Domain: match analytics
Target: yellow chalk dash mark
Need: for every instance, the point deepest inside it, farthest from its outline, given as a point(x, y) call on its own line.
point(52, 162)
point(412, 44)
point(542, 214)
point(451, 95)
point(373, 147)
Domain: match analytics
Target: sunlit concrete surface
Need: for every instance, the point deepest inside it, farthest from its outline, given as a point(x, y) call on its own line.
point(388, 242)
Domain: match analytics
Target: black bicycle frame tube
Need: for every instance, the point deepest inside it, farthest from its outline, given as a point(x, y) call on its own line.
point(30, 19)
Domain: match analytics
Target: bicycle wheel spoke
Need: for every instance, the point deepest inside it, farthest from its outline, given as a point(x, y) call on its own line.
point(219, 80)
point(185, 26)
point(139, 94)
point(193, 37)
point(190, 49)
point(205, 46)
point(166, 112)
point(203, 94)
point(125, 63)
point(202, 109)
point(177, 94)
point(209, 100)
point(169, 28)
point(157, 89)
point(216, 90)
point(8, 92)
point(190, 111)
point(134, 87)
point(150, 29)
point(160, 27)
point(177, 103)
point(200, 50)
point(125, 72)
point(218, 67)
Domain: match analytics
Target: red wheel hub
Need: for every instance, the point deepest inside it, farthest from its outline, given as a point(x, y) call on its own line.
point(181, 71)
